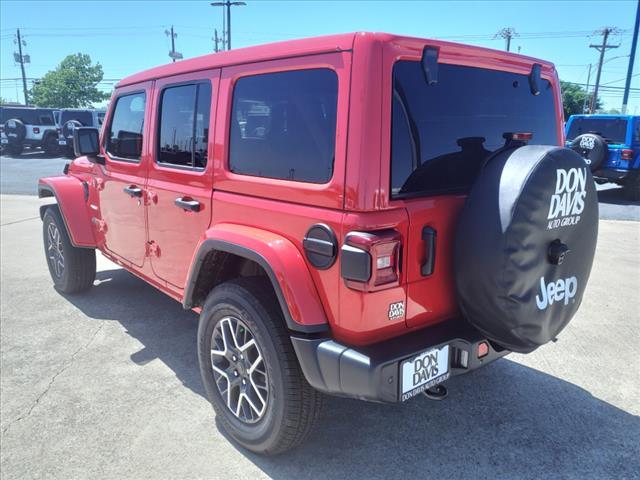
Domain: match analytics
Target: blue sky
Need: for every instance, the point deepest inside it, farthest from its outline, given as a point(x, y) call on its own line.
point(126, 37)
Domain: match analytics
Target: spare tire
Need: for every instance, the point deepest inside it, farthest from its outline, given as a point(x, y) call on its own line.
point(15, 130)
point(592, 148)
point(525, 244)
point(69, 127)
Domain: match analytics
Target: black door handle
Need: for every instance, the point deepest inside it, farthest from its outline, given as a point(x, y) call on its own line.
point(133, 191)
point(429, 238)
point(187, 203)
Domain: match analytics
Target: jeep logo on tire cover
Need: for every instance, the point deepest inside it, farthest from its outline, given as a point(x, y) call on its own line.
point(562, 289)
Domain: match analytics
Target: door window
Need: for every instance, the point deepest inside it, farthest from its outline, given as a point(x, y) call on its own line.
point(125, 134)
point(184, 125)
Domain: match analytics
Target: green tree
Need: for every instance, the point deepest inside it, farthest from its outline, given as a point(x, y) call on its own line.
point(72, 84)
point(573, 99)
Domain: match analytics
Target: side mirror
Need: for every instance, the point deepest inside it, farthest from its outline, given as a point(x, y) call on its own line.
point(86, 141)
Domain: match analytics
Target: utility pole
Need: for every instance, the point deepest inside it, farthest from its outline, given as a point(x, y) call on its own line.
point(228, 4)
point(602, 49)
point(584, 104)
point(216, 40)
point(507, 34)
point(21, 59)
point(634, 45)
point(173, 54)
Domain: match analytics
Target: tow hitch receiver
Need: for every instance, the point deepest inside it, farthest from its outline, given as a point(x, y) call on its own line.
point(437, 392)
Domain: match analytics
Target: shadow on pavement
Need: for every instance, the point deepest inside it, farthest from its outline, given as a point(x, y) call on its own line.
point(614, 196)
point(504, 421)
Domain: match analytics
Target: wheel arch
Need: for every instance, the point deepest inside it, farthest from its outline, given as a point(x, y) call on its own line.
point(71, 195)
point(277, 257)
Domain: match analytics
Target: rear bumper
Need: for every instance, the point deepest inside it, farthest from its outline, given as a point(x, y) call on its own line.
point(373, 372)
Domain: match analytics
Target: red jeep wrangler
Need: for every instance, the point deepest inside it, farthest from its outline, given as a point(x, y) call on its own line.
point(363, 215)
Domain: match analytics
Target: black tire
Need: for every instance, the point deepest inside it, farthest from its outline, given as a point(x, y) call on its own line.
point(50, 145)
point(14, 150)
point(15, 131)
point(592, 148)
point(631, 189)
point(292, 405)
point(78, 269)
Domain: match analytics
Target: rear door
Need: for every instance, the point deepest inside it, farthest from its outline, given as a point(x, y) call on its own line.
point(121, 184)
point(441, 134)
point(180, 176)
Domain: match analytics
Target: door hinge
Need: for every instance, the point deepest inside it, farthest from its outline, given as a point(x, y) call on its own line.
point(101, 225)
point(152, 249)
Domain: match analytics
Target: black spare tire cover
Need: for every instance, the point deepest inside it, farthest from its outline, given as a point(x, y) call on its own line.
point(592, 148)
point(525, 244)
point(69, 127)
point(15, 130)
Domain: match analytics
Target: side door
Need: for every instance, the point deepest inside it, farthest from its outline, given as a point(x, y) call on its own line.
point(179, 185)
point(121, 186)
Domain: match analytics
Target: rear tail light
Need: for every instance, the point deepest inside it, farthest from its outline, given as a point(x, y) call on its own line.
point(370, 261)
point(59, 130)
point(36, 130)
point(626, 154)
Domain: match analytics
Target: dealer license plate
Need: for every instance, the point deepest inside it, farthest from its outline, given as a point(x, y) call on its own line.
point(62, 142)
point(424, 371)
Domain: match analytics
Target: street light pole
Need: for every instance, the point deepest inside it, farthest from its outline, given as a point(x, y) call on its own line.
point(228, 4)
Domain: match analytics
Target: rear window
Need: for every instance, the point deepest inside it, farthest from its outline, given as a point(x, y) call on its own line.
point(283, 125)
point(28, 116)
point(85, 118)
point(613, 130)
point(443, 133)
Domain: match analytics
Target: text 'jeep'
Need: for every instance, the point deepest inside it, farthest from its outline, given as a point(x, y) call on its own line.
point(364, 215)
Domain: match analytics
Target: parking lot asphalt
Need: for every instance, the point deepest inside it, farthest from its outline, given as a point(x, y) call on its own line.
point(106, 385)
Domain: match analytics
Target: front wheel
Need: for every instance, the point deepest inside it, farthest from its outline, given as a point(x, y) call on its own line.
point(72, 269)
point(250, 371)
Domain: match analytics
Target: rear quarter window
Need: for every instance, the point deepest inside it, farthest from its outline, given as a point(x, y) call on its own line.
point(283, 125)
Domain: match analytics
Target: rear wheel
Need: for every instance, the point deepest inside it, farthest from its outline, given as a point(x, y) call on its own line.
point(50, 145)
point(15, 150)
point(72, 269)
point(250, 371)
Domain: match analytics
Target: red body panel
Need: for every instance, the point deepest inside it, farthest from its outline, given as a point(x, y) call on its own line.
point(271, 217)
point(70, 195)
point(286, 262)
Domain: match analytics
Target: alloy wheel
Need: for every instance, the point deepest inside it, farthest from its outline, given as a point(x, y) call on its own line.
point(239, 370)
point(54, 249)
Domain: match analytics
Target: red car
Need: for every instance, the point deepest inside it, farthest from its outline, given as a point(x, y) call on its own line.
point(363, 215)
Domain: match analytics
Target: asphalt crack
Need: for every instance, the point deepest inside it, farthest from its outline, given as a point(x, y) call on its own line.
point(67, 364)
point(19, 221)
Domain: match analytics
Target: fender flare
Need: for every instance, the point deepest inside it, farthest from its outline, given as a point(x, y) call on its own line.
point(71, 195)
point(280, 259)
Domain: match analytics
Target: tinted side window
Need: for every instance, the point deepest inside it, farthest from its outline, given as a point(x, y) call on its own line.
point(184, 125)
point(283, 125)
point(125, 134)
